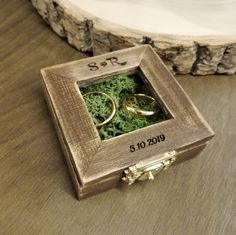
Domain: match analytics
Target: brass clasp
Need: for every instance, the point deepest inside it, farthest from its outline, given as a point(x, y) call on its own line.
point(146, 170)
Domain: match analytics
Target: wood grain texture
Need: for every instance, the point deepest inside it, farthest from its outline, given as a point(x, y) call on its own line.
point(87, 27)
point(36, 193)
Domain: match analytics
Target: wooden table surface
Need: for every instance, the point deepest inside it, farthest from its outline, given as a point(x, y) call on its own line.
point(36, 192)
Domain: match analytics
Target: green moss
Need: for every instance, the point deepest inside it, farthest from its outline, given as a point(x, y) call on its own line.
point(118, 88)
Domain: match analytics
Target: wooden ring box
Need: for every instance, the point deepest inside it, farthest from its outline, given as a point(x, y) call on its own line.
point(97, 165)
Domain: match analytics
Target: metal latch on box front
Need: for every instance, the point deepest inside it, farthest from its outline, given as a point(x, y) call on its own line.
point(146, 170)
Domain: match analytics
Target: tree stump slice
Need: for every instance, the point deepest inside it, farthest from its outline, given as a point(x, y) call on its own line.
point(190, 36)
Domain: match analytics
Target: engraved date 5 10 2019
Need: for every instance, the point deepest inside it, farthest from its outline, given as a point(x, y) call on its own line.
point(148, 142)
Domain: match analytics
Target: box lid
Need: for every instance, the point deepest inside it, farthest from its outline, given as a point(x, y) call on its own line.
point(94, 162)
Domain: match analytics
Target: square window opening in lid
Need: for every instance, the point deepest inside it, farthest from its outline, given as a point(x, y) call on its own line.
point(123, 103)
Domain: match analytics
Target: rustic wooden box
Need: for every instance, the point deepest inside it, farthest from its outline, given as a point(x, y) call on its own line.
point(97, 165)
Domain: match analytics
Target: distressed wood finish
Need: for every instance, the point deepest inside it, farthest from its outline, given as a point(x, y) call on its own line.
point(196, 53)
point(99, 165)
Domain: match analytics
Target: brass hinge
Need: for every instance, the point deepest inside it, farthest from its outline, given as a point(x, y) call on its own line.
point(146, 170)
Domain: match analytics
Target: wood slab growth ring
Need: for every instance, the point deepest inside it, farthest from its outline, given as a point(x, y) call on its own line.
point(191, 36)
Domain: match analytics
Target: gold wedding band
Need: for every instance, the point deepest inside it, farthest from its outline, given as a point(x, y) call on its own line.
point(113, 107)
point(127, 103)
